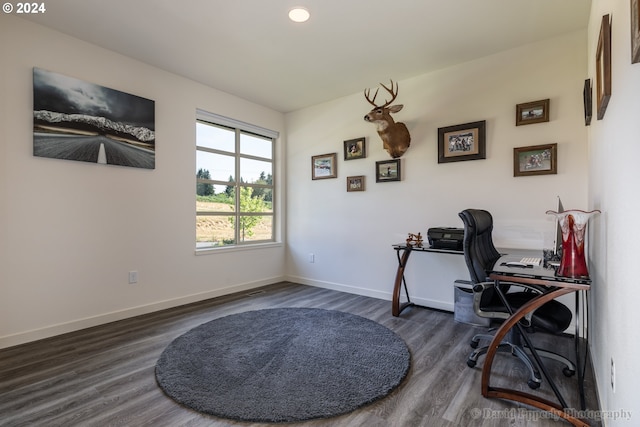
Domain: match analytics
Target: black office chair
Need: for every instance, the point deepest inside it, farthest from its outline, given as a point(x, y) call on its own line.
point(480, 255)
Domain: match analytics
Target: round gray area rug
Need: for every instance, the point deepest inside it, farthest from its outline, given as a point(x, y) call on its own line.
point(283, 365)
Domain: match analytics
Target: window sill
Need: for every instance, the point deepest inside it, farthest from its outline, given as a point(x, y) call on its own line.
point(239, 248)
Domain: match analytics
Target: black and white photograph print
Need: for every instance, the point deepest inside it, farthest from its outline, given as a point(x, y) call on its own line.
point(461, 142)
point(77, 120)
point(532, 112)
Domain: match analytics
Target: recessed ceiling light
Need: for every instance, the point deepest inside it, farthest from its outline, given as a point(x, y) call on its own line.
point(299, 14)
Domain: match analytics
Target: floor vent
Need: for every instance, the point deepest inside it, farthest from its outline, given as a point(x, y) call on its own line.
point(251, 294)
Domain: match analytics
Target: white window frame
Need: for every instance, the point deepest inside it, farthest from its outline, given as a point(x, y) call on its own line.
point(241, 127)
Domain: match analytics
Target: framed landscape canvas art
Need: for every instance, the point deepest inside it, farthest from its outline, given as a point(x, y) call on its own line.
point(76, 120)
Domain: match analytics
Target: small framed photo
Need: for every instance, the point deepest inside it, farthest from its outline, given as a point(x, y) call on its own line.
point(635, 32)
point(535, 160)
point(603, 67)
point(324, 166)
point(532, 112)
point(355, 149)
point(586, 96)
point(462, 142)
point(388, 170)
point(355, 183)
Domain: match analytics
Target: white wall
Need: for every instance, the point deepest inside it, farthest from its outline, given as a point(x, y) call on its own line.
point(614, 176)
point(71, 231)
point(351, 233)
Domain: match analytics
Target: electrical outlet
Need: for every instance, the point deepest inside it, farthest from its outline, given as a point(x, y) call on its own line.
point(133, 277)
point(613, 376)
point(312, 258)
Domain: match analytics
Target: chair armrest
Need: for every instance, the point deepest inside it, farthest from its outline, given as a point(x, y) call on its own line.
point(478, 290)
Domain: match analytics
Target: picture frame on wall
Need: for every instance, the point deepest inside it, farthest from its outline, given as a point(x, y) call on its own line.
point(82, 121)
point(388, 170)
point(355, 183)
point(603, 67)
point(355, 149)
point(635, 32)
point(462, 142)
point(586, 96)
point(535, 160)
point(324, 166)
point(532, 112)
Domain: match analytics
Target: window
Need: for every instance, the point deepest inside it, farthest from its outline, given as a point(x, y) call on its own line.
point(234, 182)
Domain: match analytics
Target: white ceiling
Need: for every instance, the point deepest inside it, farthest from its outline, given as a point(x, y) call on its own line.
point(249, 48)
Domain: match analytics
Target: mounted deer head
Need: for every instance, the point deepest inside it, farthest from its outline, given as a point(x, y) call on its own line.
point(395, 136)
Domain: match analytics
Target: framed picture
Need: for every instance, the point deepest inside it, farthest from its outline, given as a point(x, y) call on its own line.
point(355, 149)
point(462, 142)
point(635, 32)
point(324, 166)
point(603, 67)
point(532, 112)
point(586, 96)
point(355, 183)
point(535, 160)
point(78, 120)
point(388, 170)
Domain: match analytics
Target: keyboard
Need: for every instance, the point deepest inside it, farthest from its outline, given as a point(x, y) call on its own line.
point(531, 261)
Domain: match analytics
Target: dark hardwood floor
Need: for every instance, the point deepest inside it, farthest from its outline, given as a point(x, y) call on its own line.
point(104, 376)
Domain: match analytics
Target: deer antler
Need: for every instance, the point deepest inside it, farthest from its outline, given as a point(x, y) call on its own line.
point(394, 94)
point(371, 101)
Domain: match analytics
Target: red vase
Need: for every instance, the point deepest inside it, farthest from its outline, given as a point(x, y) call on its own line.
point(573, 224)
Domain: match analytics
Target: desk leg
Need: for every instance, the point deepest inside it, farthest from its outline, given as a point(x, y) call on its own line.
point(519, 396)
point(396, 306)
point(580, 327)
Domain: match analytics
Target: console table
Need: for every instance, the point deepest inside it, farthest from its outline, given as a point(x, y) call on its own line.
point(403, 251)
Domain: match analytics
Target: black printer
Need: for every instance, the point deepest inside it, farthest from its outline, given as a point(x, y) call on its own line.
point(446, 238)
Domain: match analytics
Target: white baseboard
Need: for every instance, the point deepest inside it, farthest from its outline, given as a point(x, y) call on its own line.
point(340, 287)
point(387, 296)
point(440, 305)
point(88, 322)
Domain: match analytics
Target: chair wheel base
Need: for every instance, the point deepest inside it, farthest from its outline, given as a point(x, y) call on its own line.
point(568, 372)
point(533, 384)
point(474, 344)
point(471, 363)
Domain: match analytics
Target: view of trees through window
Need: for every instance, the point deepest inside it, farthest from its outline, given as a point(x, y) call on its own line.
point(234, 186)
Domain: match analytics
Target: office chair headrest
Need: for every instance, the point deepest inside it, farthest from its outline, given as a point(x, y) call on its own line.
point(479, 252)
point(479, 221)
